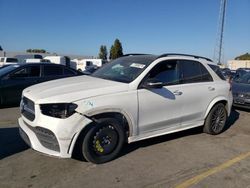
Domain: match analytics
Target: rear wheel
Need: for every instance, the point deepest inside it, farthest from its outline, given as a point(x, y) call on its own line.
point(216, 120)
point(103, 141)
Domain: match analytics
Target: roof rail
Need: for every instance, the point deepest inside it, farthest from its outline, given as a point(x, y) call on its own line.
point(133, 54)
point(188, 55)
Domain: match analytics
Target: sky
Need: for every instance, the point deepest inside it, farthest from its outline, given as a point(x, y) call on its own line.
point(142, 26)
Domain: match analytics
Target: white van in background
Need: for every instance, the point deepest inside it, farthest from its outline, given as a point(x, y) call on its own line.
point(85, 64)
point(37, 61)
point(7, 61)
point(62, 60)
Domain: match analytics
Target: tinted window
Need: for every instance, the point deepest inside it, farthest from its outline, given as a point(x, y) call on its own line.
point(190, 71)
point(206, 77)
point(217, 70)
point(38, 56)
point(11, 60)
point(166, 72)
point(2, 59)
point(31, 71)
point(68, 72)
point(53, 70)
point(89, 63)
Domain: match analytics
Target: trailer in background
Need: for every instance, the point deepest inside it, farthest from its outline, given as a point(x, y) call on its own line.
point(62, 60)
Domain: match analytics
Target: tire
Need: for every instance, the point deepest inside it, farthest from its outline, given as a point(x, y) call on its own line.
point(216, 120)
point(103, 141)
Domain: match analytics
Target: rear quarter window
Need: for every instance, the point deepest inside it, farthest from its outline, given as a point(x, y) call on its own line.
point(50, 70)
point(217, 70)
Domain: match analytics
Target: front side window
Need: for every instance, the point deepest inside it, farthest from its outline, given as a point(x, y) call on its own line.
point(32, 71)
point(165, 72)
point(52, 70)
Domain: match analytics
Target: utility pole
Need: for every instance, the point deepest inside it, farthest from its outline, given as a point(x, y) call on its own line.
point(219, 43)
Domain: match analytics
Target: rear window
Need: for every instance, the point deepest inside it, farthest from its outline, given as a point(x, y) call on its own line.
point(217, 70)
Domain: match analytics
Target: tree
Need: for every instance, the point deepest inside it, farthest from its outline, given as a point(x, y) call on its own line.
point(36, 51)
point(116, 50)
point(103, 53)
point(245, 56)
point(1, 49)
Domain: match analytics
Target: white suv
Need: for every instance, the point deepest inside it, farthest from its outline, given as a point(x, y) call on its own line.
point(134, 97)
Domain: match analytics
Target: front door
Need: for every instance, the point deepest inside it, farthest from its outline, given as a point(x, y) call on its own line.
point(160, 108)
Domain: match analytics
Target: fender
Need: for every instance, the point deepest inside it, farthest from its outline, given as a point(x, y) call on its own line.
point(214, 101)
point(128, 117)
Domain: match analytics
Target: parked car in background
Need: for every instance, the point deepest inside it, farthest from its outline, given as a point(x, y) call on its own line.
point(7, 61)
point(241, 72)
point(15, 78)
point(132, 98)
point(241, 91)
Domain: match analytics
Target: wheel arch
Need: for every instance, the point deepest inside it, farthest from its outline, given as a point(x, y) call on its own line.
point(116, 113)
point(104, 113)
point(215, 101)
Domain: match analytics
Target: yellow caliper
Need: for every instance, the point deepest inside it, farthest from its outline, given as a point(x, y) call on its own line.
point(98, 146)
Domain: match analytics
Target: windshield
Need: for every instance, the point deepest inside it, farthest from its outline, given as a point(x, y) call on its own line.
point(244, 79)
point(124, 69)
point(8, 69)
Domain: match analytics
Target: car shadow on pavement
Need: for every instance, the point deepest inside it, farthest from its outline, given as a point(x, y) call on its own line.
point(234, 116)
point(8, 106)
point(10, 142)
point(160, 139)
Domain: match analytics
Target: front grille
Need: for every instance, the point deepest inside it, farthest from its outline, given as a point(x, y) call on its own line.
point(46, 137)
point(242, 95)
point(28, 109)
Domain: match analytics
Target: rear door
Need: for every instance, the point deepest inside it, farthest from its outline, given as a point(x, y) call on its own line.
point(198, 91)
point(14, 83)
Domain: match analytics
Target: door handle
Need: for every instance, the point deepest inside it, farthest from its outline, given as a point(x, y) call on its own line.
point(211, 88)
point(177, 92)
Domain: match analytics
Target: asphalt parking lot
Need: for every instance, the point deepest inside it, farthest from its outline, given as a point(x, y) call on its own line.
point(186, 159)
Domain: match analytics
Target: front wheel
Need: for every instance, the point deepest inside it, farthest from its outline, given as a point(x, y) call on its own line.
point(103, 141)
point(216, 120)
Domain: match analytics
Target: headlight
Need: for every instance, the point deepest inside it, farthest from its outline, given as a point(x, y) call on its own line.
point(58, 110)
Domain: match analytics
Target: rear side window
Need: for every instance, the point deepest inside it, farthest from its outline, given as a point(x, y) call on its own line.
point(53, 70)
point(206, 77)
point(68, 72)
point(217, 70)
point(193, 71)
point(11, 60)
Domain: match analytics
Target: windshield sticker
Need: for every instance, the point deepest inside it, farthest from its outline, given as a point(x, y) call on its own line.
point(137, 65)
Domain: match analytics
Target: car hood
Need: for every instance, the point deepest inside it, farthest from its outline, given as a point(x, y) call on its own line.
point(240, 88)
point(72, 89)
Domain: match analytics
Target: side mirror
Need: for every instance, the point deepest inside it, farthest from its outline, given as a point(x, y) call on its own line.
point(153, 84)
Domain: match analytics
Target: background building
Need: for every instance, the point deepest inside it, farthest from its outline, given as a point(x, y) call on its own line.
point(235, 64)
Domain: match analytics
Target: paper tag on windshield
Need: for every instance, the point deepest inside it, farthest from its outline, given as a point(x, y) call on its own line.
point(137, 65)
